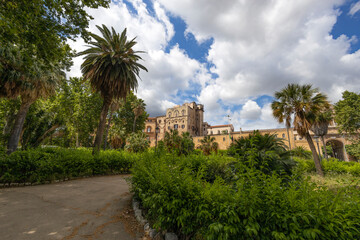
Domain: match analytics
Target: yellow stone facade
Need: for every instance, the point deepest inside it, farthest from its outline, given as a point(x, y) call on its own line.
point(189, 118)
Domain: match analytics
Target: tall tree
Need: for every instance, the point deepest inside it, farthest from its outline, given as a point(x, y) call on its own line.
point(138, 108)
point(283, 111)
point(320, 126)
point(111, 65)
point(29, 82)
point(305, 102)
point(347, 114)
point(33, 48)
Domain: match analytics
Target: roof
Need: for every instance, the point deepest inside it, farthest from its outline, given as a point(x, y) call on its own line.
point(219, 126)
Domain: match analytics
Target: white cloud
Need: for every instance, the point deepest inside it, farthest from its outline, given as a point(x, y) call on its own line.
point(258, 47)
point(354, 8)
point(250, 111)
point(167, 73)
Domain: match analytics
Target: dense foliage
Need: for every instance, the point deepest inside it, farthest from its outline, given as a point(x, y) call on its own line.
point(347, 114)
point(69, 118)
point(354, 150)
point(137, 142)
point(333, 165)
point(240, 202)
point(178, 144)
point(266, 152)
point(49, 164)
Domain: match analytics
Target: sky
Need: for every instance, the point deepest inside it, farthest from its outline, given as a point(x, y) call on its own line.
point(232, 55)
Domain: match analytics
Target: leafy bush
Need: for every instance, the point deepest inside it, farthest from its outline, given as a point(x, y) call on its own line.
point(48, 164)
point(354, 150)
point(264, 152)
point(253, 205)
point(333, 165)
point(301, 152)
point(178, 144)
point(137, 142)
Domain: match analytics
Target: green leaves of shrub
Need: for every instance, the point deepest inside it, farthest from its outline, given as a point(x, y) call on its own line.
point(48, 164)
point(211, 198)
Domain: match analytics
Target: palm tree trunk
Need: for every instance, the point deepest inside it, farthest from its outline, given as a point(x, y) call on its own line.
point(324, 146)
point(134, 125)
point(107, 130)
point(102, 123)
point(18, 125)
point(315, 155)
point(288, 134)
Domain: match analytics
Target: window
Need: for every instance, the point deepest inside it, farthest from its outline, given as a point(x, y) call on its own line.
point(169, 127)
point(148, 129)
point(223, 139)
point(283, 135)
point(159, 121)
point(175, 126)
point(211, 132)
point(183, 112)
point(169, 114)
point(182, 126)
point(218, 131)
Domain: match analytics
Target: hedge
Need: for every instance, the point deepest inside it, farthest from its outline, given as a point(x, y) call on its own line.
point(49, 164)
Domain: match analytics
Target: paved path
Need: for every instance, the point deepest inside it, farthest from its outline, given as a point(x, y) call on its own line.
point(89, 208)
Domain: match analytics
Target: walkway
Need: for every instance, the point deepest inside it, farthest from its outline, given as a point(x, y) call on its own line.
point(89, 208)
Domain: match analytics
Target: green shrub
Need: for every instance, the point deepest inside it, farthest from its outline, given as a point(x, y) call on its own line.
point(137, 142)
point(354, 149)
point(266, 152)
point(48, 164)
point(179, 197)
point(333, 165)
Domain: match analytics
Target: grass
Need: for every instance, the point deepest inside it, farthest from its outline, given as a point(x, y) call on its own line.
point(335, 181)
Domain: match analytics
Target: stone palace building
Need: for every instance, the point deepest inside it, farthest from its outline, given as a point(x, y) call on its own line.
point(189, 117)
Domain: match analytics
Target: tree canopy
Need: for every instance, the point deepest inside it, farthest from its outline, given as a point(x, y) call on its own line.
point(347, 113)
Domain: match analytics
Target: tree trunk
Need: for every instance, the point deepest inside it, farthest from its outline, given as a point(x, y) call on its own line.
point(134, 125)
point(315, 155)
point(45, 135)
point(76, 139)
point(288, 134)
point(107, 130)
point(18, 125)
point(102, 123)
point(324, 146)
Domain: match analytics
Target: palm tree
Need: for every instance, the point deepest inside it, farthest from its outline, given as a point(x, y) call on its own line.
point(27, 78)
point(138, 108)
point(115, 105)
point(320, 126)
point(303, 102)
point(282, 110)
point(111, 65)
point(208, 145)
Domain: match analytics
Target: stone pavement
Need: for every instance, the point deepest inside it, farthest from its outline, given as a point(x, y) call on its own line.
point(89, 208)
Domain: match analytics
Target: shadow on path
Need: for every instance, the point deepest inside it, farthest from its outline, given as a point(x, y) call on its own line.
point(89, 208)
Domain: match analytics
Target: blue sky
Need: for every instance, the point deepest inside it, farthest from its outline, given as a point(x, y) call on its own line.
point(233, 55)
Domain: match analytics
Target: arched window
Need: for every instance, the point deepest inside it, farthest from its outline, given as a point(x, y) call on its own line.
point(183, 112)
point(148, 129)
point(283, 135)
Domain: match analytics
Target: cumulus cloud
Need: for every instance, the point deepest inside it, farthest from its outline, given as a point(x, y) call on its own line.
point(168, 72)
point(258, 48)
point(261, 46)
